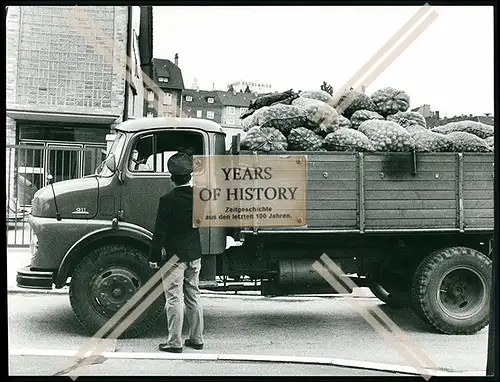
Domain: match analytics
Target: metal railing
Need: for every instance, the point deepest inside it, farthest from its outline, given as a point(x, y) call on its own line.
point(27, 169)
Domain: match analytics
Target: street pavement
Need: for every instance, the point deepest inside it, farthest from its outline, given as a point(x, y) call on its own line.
point(148, 367)
point(245, 326)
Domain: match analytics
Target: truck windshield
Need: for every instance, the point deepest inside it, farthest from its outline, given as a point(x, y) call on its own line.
point(116, 149)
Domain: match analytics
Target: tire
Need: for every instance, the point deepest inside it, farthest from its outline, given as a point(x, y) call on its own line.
point(94, 301)
point(451, 290)
point(396, 299)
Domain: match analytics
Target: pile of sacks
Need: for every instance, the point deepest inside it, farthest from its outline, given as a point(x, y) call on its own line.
point(353, 121)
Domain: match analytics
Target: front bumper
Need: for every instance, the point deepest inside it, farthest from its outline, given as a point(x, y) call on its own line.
point(29, 279)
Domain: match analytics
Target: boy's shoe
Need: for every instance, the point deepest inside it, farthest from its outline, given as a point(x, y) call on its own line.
point(191, 344)
point(164, 347)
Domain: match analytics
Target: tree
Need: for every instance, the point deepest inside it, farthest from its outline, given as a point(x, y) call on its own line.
point(230, 88)
point(327, 88)
point(247, 90)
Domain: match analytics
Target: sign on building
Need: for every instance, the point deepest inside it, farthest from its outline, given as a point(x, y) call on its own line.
point(250, 191)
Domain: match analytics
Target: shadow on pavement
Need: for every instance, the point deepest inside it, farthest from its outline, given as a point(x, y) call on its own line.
point(407, 320)
point(59, 319)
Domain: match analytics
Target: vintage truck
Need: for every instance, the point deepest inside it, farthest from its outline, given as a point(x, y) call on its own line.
point(417, 228)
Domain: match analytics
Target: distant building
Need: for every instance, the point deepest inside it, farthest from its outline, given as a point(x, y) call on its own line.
point(425, 110)
point(254, 86)
point(203, 104)
point(195, 85)
point(223, 107)
point(234, 104)
point(168, 76)
point(433, 119)
point(487, 120)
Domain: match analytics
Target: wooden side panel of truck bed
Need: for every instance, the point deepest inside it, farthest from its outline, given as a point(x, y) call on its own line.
point(374, 192)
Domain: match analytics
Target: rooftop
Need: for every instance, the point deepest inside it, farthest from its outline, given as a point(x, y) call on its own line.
point(167, 69)
point(200, 97)
point(433, 121)
point(239, 99)
point(143, 124)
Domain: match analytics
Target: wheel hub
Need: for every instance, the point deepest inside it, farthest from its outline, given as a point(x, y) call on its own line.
point(462, 293)
point(112, 288)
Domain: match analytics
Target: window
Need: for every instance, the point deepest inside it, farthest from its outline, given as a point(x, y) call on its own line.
point(189, 98)
point(199, 114)
point(210, 100)
point(150, 114)
point(152, 151)
point(132, 104)
point(210, 115)
point(167, 99)
point(230, 110)
point(151, 96)
point(163, 79)
point(229, 121)
point(243, 110)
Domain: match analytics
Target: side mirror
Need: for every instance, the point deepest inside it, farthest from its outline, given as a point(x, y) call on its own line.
point(111, 163)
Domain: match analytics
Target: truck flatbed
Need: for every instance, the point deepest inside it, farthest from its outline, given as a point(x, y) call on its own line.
point(397, 192)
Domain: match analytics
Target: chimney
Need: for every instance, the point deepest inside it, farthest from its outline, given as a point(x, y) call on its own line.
point(176, 59)
point(437, 114)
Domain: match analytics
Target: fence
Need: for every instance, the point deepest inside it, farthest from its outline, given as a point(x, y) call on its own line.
point(28, 167)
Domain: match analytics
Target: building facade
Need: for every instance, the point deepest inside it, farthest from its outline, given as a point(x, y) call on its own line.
point(165, 100)
point(67, 87)
point(203, 104)
point(433, 118)
point(233, 106)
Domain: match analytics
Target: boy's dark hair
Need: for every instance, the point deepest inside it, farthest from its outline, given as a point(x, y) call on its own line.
point(181, 179)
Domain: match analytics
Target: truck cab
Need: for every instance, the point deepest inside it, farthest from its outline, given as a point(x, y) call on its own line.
point(116, 208)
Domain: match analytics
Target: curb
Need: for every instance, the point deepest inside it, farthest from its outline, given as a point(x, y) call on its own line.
point(335, 362)
point(223, 295)
point(14, 290)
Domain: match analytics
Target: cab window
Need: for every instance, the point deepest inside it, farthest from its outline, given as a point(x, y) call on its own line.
point(151, 152)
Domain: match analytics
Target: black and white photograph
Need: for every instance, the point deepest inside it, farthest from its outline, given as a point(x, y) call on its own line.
point(251, 190)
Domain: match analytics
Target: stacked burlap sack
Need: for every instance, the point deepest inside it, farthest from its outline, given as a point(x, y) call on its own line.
point(314, 120)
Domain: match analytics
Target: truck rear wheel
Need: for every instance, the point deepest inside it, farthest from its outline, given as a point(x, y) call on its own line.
point(104, 281)
point(451, 289)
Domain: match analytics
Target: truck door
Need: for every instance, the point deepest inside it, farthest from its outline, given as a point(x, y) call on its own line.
point(147, 177)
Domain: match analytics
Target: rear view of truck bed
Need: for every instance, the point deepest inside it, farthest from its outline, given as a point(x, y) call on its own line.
point(401, 192)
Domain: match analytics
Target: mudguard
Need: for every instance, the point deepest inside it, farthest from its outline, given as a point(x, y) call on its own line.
point(75, 253)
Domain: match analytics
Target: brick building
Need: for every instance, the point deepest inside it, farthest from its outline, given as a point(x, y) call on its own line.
point(66, 84)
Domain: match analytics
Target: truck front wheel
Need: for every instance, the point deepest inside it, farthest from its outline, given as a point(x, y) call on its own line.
point(451, 289)
point(104, 281)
